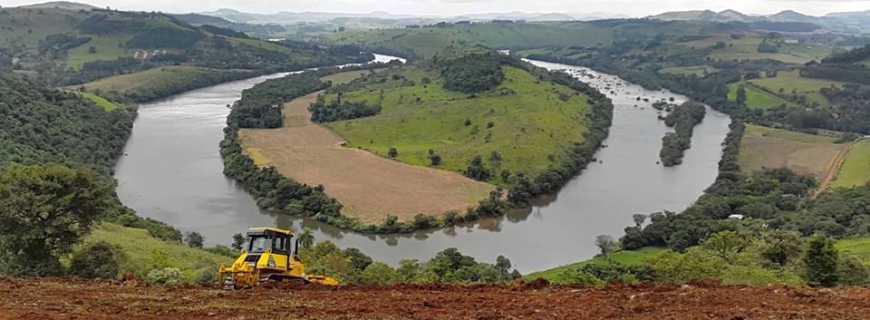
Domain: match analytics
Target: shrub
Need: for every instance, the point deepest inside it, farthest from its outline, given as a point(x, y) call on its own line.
point(165, 276)
point(379, 274)
point(96, 261)
point(821, 259)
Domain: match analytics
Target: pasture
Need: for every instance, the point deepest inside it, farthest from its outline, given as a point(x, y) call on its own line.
point(527, 124)
point(790, 83)
point(756, 98)
point(855, 171)
point(803, 153)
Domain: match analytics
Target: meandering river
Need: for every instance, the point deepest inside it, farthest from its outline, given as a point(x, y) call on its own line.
point(172, 172)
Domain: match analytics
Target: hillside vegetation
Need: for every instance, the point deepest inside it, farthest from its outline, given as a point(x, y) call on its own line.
point(521, 126)
point(70, 47)
point(161, 82)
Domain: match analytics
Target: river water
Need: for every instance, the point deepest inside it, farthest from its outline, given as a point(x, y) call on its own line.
point(172, 172)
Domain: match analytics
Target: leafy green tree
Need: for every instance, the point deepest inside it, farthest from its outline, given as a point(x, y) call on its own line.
point(44, 211)
point(238, 241)
point(393, 153)
point(780, 247)
point(306, 239)
point(726, 245)
point(741, 95)
point(194, 239)
point(606, 245)
point(379, 274)
point(821, 259)
point(853, 272)
point(358, 260)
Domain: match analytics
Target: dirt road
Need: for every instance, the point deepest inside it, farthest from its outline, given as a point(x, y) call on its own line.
point(831, 171)
point(73, 299)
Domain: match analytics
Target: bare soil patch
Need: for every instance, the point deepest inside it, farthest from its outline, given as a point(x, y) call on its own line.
point(74, 299)
point(370, 187)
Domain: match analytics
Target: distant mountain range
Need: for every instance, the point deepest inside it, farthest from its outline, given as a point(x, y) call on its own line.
point(850, 22)
point(286, 18)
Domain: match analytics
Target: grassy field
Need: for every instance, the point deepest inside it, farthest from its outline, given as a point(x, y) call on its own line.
point(858, 248)
point(856, 170)
point(107, 48)
point(806, 154)
point(636, 257)
point(369, 187)
point(791, 82)
point(164, 79)
point(101, 102)
point(756, 98)
point(746, 48)
point(144, 252)
point(525, 121)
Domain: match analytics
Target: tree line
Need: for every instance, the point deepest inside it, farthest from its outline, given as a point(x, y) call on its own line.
point(683, 119)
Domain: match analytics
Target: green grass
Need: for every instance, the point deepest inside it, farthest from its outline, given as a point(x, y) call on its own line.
point(756, 98)
point(101, 102)
point(787, 83)
point(107, 48)
point(856, 170)
point(532, 128)
point(746, 48)
point(632, 258)
point(858, 248)
point(143, 253)
point(164, 79)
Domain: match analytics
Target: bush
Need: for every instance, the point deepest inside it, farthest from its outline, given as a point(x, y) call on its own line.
point(821, 259)
point(379, 274)
point(165, 276)
point(96, 261)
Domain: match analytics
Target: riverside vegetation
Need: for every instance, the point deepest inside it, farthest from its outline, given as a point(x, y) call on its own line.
point(564, 163)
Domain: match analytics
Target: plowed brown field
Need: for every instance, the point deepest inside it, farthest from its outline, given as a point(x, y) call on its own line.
point(73, 299)
point(370, 187)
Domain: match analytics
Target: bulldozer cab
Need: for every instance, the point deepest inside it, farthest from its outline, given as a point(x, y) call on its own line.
point(276, 242)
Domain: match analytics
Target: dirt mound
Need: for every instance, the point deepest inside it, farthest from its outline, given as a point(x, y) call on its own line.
point(75, 299)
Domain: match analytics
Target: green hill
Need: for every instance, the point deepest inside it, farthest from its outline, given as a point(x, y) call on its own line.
point(68, 47)
point(521, 125)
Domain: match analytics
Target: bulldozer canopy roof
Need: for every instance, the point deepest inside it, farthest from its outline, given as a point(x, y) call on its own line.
point(263, 230)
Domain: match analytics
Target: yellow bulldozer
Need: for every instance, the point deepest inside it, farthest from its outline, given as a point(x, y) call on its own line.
point(269, 255)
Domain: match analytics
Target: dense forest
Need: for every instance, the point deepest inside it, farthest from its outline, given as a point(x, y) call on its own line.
point(683, 119)
point(472, 73)
point(58, 150)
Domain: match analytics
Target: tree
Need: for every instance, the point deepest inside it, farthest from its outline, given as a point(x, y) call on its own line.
point(781, 247)
point(639, 219)
point(726, 245)
point(741, 95)
point(306, 239)
point(44, 211)
point(238, 241)
point(477, 171)
point(379, 274)
point(503, 265)
point(393, 153)
point(606, 244)
point(92, 50)
point(194, 239)
point(821, 259)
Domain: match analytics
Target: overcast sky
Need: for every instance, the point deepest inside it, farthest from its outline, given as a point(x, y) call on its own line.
point(457, 7)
